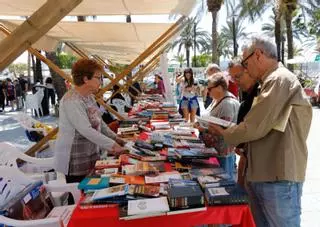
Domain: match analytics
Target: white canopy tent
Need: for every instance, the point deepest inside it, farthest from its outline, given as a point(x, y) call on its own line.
point(103, 7)
point(118, 42)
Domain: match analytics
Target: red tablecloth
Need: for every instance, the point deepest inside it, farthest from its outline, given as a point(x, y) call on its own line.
point(237, 215)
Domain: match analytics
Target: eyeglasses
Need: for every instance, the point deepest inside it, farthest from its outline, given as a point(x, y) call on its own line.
point(237, 76)
point(244, 63)
point(100, 78)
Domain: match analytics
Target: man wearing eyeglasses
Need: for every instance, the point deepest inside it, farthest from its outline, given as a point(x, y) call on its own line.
point(276, 130)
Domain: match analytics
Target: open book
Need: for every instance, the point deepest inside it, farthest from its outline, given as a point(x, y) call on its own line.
point(206, 120)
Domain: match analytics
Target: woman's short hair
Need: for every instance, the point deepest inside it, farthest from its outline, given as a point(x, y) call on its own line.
point(84, 68)
point(218, 79)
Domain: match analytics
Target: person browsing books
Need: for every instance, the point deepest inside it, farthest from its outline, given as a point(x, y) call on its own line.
point(189, 105)
point(276, 129)
point(81, 129)
point(249, 86)
point(224, 106)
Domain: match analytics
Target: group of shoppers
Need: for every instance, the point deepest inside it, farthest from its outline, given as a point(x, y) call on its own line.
point(272, 161)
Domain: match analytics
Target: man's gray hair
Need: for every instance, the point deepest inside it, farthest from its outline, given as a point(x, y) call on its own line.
point(268, 47)
point(236, 61)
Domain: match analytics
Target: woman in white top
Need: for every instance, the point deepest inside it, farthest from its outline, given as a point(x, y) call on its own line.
point(189, 105)
point(82, 132)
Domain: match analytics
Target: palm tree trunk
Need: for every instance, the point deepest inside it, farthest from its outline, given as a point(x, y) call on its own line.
point(188, 56)
point(289, 37)
point(195, 45)
point(277, 27)
point(215, 55)
point(282, 48)
point(38, 70)
point(235, 45)
point(58, 81)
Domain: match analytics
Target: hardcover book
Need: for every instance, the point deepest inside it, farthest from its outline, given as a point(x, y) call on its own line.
point(184, 194)
point(145, 206)
point(226, 195)
point(162, 177)
point(144, 190)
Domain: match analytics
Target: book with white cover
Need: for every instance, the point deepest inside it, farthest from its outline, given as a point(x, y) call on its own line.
point(63, 213)
point(206, 120)
point(146, 206)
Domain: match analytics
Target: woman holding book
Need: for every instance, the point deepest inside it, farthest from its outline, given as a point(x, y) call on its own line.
point(189, 105)
point(224, 106)
point(81, 129)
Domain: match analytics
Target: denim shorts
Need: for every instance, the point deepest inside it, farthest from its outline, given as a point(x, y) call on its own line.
point(276, 204)
point(185, 104)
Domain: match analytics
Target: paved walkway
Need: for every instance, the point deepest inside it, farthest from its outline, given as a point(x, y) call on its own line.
point(11, 131)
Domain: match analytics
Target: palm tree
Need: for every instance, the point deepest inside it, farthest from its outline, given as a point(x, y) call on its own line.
point(224, 47)
point(179, 58)
point(213, 7)
point(187, 37)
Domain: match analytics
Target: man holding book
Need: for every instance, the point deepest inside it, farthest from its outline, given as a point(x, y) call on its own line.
point(276, 129)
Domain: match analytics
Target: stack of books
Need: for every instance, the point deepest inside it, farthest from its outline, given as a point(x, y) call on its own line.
point(128, 131)
point(184, 194)
point(193, 153)
point(107, 163)
point(214, 181)
point(141, 168)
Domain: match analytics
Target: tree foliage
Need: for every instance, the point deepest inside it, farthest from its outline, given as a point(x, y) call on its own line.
point(66, 60)
point(18, 68)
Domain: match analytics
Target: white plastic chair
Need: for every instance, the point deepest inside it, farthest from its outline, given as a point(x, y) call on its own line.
point(13, 177)
point(8, 158)
point(27, 122)
point(33, 101)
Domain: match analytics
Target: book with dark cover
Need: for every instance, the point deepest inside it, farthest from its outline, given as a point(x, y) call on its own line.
point(144, 190)
point(93, 183)
point(212, 181)
point(195, 173)
point(33, 202)
point(192, 153)
point(184, 194)
point(226, 195)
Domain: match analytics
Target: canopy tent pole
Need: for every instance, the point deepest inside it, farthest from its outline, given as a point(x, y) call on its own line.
point(131, 81)
point(31, 151)
point(84, 55)
point(55, 68)
point(134, 79)
point(155, 45)
point(33, 28)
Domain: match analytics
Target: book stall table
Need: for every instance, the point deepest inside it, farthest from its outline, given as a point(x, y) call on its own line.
point(236, 215)
point(177, 154)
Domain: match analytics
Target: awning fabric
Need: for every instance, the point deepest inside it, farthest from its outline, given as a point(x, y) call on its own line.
point(119, 42)
point(103, 7)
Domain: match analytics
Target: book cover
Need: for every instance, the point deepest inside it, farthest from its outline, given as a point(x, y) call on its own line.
point(226, 195)
point(214, 181)
point(123, 214)
point(184, 193)
point(108, 163)
point(144, 190)
point(145, 206)
point(162, 177)
point(114, 191)
point(86, 202)
point(93, 183)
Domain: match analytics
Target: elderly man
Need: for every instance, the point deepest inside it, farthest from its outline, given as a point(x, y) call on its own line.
point(210, 70)
point(276, 129)
point(249, 86)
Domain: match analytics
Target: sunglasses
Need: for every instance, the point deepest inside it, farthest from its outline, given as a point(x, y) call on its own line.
point(244, 63)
